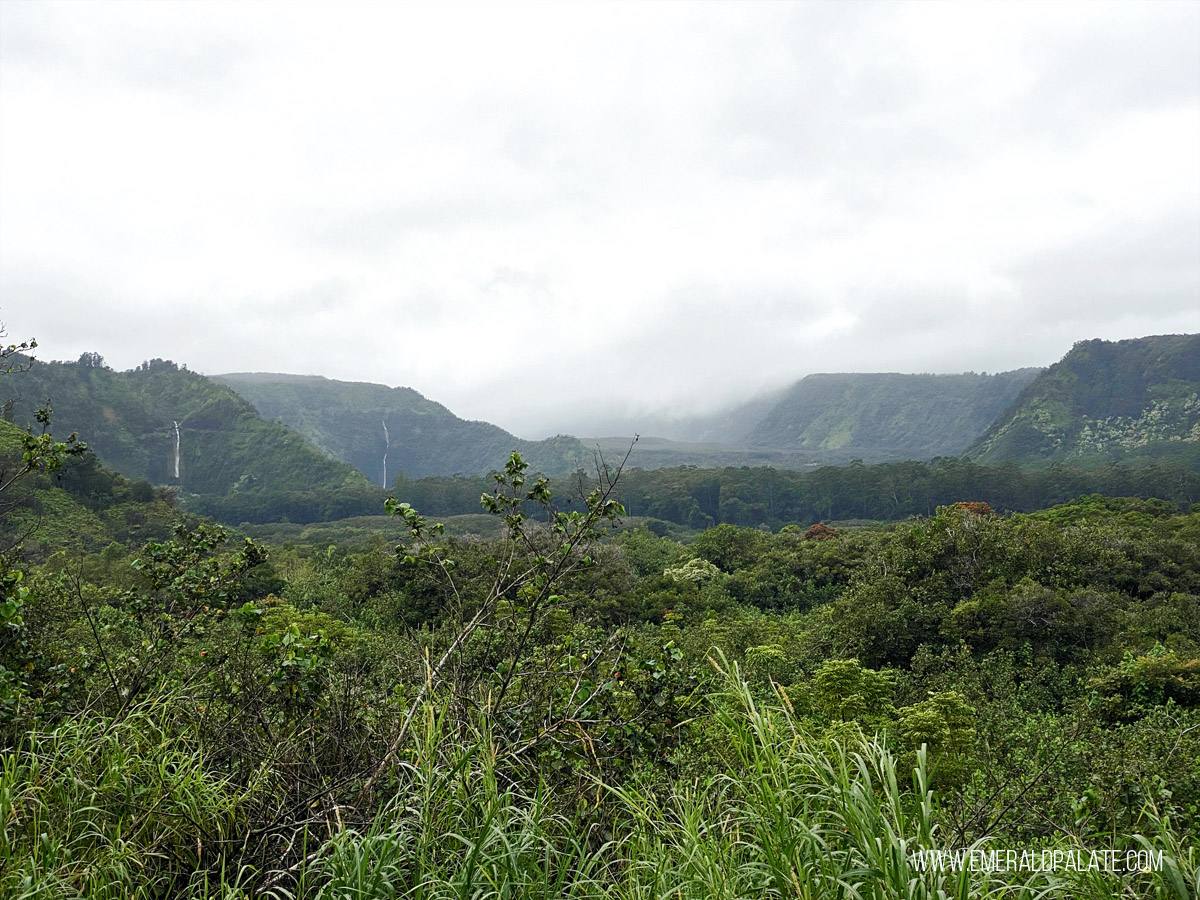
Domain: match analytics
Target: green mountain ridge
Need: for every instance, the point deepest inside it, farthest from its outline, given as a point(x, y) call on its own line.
point(1105, 401)
point(129, 418)
point(880, 417)
point(269, 447)
point(347, 420)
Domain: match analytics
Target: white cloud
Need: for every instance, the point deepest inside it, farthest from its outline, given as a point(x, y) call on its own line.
point(533, 211)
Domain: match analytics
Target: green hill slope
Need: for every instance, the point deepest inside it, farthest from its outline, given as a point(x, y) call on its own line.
point(347, 419)
point(81, 507)
point(1103, 401)
point(879, 417)
point(128, 419)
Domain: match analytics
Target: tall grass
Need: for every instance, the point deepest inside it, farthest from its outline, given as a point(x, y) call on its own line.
point(104, 810)
point(793, 816)
point(457, 828)
point(109, 810)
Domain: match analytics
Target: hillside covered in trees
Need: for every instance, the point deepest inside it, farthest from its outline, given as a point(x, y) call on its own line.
point(372, 426)
point(882, 417)
point(134, 422)
point(1105, 401)
point(80, 506)
point(129, 420)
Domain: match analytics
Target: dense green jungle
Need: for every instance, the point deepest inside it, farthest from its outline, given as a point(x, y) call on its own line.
point(614, 683)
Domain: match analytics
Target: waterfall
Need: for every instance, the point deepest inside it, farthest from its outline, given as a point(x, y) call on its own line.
point(175, 432)
point(387, 444)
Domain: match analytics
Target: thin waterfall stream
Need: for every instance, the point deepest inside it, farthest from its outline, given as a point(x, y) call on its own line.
point(387, 445)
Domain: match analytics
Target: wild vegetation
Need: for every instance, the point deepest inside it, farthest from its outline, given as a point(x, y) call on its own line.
point(720, 696)
point(558, 713)
point(771, 498)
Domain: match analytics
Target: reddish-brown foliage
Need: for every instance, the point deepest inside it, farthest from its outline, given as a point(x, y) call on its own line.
point(978, 507)
point(819, 532)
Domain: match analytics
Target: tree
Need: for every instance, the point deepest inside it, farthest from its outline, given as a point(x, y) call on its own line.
point(484, 669)
point(15, 352)
point(39, 453)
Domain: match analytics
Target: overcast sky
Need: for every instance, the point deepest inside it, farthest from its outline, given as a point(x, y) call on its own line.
point(547, 215)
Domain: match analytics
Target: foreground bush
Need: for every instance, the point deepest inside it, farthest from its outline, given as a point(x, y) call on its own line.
point(114, 809)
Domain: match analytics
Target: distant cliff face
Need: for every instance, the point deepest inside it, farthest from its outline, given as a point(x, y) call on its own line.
point(887, 416)
point(1105, 401)
point(359, 423)
point(164, 424)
